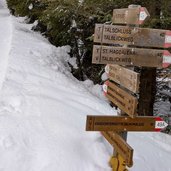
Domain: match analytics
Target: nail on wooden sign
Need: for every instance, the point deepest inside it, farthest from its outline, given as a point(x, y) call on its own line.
point(122, 123)
point(143, 37)
point(123, 76)
point(121, 98)
point(120, 145)
point(131, 56)
point(134, 16)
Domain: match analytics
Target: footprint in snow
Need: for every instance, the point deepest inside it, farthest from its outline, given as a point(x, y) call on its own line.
point(7, 142)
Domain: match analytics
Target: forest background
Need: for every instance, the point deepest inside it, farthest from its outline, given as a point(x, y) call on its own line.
point(72, 22)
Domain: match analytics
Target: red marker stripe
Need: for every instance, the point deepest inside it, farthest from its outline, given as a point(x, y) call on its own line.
point(158, 119)
point(157, 129)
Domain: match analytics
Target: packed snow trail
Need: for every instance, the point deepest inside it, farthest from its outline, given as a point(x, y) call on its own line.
point(43, 108)
point(43, 111)
point(5, 39)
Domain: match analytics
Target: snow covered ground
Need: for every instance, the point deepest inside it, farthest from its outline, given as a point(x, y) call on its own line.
point(43, 111)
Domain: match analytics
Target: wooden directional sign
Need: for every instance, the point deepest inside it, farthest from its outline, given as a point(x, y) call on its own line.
point(123, 76)
point(143, 37)
point(131, 56)
point(134, 16)
point(120, 146)
point(121, 98)
point(122, 123)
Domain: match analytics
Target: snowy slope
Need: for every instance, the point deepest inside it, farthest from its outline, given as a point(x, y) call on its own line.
point(5, 37)
point(43, 111)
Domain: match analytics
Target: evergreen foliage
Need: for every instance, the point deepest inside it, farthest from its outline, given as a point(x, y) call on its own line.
point(71, 22)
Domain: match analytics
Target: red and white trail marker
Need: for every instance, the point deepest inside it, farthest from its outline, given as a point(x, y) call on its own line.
point(167, 39)
point(166, 58)
point(133, 16)
point(160, 124)
point(105, 86)
point(144, 14)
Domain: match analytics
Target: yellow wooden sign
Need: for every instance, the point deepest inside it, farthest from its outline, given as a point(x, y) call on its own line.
point(120, 146)
point(123, 123)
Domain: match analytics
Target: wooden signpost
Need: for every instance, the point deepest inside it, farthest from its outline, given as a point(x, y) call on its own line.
point(123, 76)
point(130, 56)
point(120, 145)
point(133, 93)
point(121, 98)
point(130, 15)
point(125, 35)
point(123, 123)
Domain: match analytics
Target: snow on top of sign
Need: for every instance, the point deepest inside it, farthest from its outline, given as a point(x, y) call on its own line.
point(107, 69)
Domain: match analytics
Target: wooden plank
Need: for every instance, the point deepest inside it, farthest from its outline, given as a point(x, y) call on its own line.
point(143, 37)
point(130, 56)
point(134, 16)
point(123, 123)
point(125, 101)
point(120, 146)
point(123, 76)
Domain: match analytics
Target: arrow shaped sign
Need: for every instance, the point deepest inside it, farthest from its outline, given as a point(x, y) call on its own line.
point(160, 124)
point(166, 59)
point(130, 15)
point(121, 98)
point(142, 37)
point(123, 123)
point(144, 14)
point(131, 56)
point(123, 76)
point(120, 146)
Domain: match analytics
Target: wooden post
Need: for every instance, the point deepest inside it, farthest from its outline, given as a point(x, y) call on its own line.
point(115, 160)
point(124, 135)
point(147, 91)
point(126, 81)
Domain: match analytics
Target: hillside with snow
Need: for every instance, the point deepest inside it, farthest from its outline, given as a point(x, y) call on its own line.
point(43, 110)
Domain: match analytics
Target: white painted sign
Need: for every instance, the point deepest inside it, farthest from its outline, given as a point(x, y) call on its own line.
point(143, 15)
point(160, 124)
point(166, 59)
